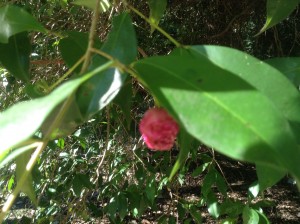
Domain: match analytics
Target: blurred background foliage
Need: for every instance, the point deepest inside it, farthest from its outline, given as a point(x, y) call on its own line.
point(68, 183)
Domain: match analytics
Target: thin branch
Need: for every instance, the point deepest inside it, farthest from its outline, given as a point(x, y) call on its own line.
point(175, 42)
point(91, 38)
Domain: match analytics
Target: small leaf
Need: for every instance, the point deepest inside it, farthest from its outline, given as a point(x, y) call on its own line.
point(268, 176)
point(199, 170)
point(27, 187)
point(185, 146)
point(14, 56)
point(122, 206)
point(254, 189)
point(151, 189)
point(91, 4)
point(79, 182)
point(12, 24)
point(277, 10)
point(212, 205)
point(250, 216)
point(157, 10)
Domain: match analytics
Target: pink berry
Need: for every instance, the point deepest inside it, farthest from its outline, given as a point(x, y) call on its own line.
point(158, 129)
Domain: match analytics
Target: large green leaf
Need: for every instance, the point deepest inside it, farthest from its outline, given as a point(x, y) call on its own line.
point(157, 10)
point(22, 120)
point(121, 42)
point(258, 74)
point(222, 110)
point(290, 67)
point(15, 20)
point(277, 10)
point(100, 90)
point(14, 56)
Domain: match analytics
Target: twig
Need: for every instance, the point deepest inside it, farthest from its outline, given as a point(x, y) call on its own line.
point(175, 42)
point(107, 146)
point(91, 38)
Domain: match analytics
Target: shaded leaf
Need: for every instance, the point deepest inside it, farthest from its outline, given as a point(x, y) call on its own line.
point(185, 146)
point(12, 24)
point(277, 10)
point(79, 182)
point(290, 67)
point(268, 176)
point(74, 46)
point(124, 100)
point(157, 10)
point(27, 185)
point(15, 54)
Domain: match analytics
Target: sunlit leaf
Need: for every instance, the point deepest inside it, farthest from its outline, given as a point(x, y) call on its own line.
point(250, 216)
point(277, 10)
point(215, 102)
point(91, 4)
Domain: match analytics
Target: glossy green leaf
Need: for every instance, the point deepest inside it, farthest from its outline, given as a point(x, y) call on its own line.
point(253, 189)
point(269, 81)
point(196, 214)
point(22, 120)
point(100, 90)
point(157, 10)
point(91, 4)
point(121, 42)
point(14, 56)
point(122, 206)
point(278, 10)
point(81, 181)
point(262, 218)
point(216, 106)
point(27, 186)
point(290, 67)
point(12, 24)
point(212, 205)
point(268, 176)
point(250, 216)
point(74, 46)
